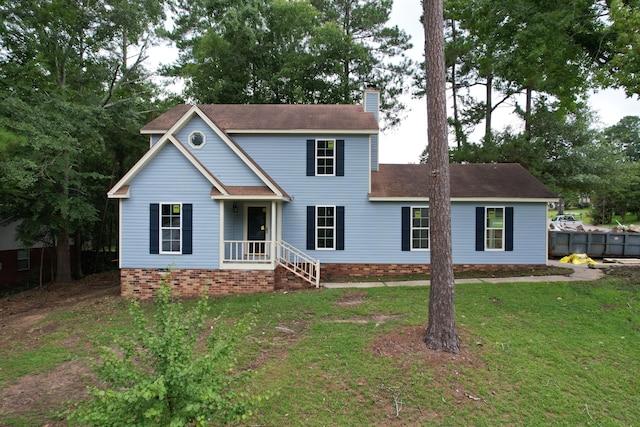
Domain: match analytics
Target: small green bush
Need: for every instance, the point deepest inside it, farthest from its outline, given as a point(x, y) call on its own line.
point(158, 376)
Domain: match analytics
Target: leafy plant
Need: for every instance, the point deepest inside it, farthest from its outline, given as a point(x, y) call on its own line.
point(158, 376)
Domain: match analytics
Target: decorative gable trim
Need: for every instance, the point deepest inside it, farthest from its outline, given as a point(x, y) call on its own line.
point(194, 110)
point(118, 190)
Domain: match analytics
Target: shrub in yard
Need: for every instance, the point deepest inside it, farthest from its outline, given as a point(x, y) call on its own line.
point(162, 375)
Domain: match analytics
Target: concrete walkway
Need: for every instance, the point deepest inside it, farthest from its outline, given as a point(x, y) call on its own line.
point(580, 273)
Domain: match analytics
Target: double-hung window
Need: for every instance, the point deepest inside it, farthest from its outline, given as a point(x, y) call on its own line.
point(325, 157)
point(171, 228)
point(494, 229)
point(419, 228)
point(415, 228)
point(325, 227)
point(24, 259)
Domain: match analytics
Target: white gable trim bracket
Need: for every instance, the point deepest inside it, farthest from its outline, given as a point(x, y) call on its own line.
point(117, 193)
point(194, 110)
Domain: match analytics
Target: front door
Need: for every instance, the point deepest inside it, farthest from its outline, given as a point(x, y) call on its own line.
point(256, 229)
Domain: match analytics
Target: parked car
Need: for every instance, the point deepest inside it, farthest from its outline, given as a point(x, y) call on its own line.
point(565, 221)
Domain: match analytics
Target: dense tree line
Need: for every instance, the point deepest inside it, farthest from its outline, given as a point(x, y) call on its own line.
point(76, 86)
point(541, 59)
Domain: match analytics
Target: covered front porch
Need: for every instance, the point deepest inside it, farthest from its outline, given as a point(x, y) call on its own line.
point(251, 231)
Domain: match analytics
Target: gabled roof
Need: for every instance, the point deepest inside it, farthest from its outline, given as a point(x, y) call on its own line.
point(270, 190)
point(491, 181)
point(122, 188)
point(265, 118)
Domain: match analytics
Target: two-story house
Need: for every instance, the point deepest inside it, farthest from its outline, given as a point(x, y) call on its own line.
point(244, 198)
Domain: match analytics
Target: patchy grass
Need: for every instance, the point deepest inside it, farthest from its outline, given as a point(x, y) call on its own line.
point(563, 353)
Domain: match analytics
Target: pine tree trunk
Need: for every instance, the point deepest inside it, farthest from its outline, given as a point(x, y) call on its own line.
point(441, 330)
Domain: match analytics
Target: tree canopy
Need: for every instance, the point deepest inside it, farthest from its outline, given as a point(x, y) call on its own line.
point(248, 52)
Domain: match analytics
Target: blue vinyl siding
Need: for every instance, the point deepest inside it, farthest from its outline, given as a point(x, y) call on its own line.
point(373, 230)
point(217, 156)
point(529, 235)
point(169, 178)
point(349, 190)
point(374, 152)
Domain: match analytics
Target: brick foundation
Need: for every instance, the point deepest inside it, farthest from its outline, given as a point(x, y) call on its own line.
point(287, 280)
point(331, 272)
point(142, 282)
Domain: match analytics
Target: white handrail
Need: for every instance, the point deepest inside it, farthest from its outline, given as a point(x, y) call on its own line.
point(261, 252)
point(298, 262)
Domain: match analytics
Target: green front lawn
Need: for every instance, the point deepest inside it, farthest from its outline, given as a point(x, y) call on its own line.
point(532, 354)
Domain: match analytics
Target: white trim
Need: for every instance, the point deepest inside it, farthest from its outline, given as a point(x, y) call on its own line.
point(120, 234)
point(369, 168)
point(221, 236)
point(335, 228)
point(334, 157)
point(149, 155)
point(234, 147)
point(302, 131)
point(461, 199)
point(502, 199)
point(204, 140)
point(160, 228)
point(398, 199)
point(245, 266)
point(249, 197)
point(504, 220)
point(411, 228)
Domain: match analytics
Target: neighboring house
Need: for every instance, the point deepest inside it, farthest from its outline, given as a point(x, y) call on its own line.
point(19, 264)
point(245, 198)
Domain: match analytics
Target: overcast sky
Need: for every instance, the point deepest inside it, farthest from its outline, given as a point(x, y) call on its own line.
point(406, 143)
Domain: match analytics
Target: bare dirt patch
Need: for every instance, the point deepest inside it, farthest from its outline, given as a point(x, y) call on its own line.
point(352, 298)
point(35, 393)
point(23, 322)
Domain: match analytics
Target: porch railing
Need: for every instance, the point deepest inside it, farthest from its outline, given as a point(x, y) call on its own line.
point(248, 251)
point(299, 263)
point(268, 252)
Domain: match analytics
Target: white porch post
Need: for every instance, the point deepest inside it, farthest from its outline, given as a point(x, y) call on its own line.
point(274, 233)
point(221, 238)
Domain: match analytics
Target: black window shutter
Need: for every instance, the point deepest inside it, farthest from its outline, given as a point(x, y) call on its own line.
point(187, 228)
point(311, 227)
point(154, 228)
point(479, 228)
point(406, 228)
point(311, 157)
point(508, 228)
point(340, 228)
point(340, 157)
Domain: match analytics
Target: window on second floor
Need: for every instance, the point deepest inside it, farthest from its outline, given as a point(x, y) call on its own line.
point(325, 157)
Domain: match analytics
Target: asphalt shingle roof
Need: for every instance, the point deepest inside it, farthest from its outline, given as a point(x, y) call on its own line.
point(489, 180)
point(273, 117)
